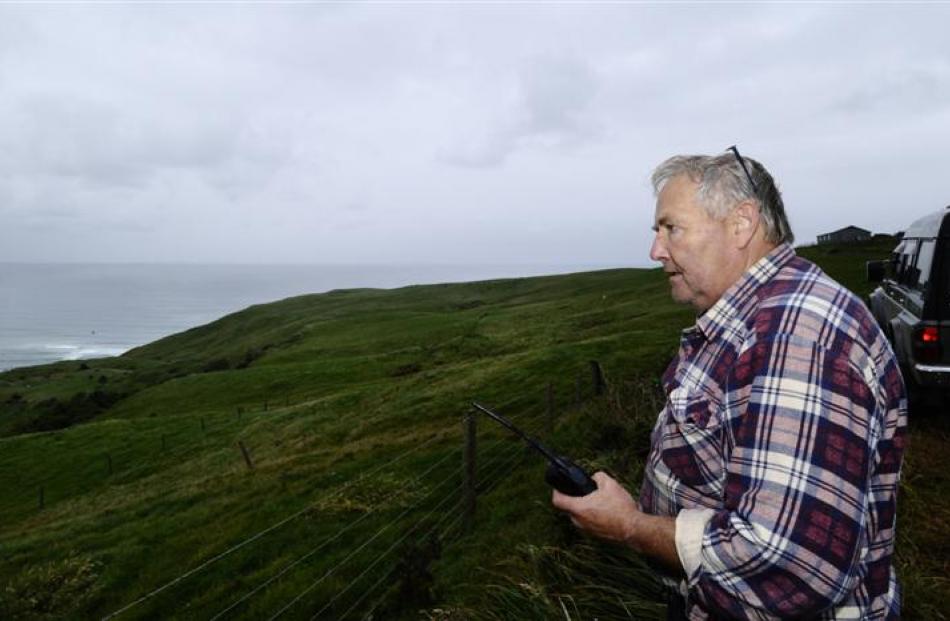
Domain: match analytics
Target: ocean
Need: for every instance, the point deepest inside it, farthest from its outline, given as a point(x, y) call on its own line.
point(52, 312)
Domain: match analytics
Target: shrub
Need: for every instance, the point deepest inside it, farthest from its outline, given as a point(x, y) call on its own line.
point(50, 591)
point(218, 364)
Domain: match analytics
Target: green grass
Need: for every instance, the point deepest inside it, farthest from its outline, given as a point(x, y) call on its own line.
point(325, 391)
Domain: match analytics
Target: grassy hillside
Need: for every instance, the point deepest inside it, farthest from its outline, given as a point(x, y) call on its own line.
point(125, 475)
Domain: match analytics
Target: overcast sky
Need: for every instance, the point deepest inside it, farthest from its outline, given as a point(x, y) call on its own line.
point(449, 133)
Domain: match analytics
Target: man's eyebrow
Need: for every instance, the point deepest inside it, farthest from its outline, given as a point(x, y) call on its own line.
point(661, 221)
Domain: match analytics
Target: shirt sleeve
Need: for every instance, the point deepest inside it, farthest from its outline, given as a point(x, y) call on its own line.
point(788, 540)
point(688, 537)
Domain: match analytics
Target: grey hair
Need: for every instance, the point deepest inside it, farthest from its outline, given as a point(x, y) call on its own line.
point(723, 184)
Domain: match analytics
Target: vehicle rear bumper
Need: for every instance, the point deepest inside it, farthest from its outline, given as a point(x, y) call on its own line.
point(931, 375)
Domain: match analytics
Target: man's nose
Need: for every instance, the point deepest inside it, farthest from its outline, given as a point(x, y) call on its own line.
point(658, 249)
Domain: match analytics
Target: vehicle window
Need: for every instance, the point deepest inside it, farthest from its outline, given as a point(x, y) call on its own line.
point(890, 268)
point(904, 268)
point(925, 257)
point(941, 270)
point(897, 261)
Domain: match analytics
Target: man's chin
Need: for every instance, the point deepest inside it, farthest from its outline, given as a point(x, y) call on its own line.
point(680, 295)
point(687, 297)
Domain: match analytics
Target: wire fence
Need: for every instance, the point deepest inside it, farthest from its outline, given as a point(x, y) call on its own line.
point(497, 461)
point(444, 495)
point(497, 464)
point(326, 542)
point(241, 544)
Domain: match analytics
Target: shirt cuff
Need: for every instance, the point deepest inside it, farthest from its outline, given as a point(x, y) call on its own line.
point(690, 526)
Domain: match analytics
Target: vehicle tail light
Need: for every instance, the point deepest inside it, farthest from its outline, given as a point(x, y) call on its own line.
point(927, 344)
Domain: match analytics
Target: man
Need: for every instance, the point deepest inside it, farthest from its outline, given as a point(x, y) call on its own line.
point(770, 489)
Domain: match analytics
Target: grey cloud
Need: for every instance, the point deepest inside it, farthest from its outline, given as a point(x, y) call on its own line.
point(47, 135)
point(356, 206)
point(550, 111)
point(316, 132)
point(556, 95)
point(485, 150)
point(105, 145)
point(918, 89)
point(57, 213)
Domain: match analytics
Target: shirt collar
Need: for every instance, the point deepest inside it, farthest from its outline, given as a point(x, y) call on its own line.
point(735, 302)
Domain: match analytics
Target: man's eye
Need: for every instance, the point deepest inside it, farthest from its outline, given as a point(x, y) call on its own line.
point(667, 228)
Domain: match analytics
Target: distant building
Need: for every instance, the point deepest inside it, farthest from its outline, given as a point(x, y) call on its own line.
point(845, 235)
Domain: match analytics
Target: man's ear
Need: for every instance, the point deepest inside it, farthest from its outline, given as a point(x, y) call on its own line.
point(746, 220)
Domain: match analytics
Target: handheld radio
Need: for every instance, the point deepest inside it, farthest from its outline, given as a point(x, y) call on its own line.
point(562, 474)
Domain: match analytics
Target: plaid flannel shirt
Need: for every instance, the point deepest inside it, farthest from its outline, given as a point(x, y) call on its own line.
point(781, 441)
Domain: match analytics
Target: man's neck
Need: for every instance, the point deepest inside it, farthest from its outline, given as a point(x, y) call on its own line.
point(756, 249)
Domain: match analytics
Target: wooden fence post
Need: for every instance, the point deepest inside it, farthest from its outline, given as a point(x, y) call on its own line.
point(468, 483)
point(597, 377)
point(247, 455)
point(550, 407)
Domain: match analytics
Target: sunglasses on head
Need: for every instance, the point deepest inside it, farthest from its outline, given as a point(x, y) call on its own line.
point(735, 151)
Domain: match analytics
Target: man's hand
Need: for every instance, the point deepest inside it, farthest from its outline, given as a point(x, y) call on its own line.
point(611, 513)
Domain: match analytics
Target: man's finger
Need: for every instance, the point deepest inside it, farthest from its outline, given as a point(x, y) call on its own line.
point(561, 501)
